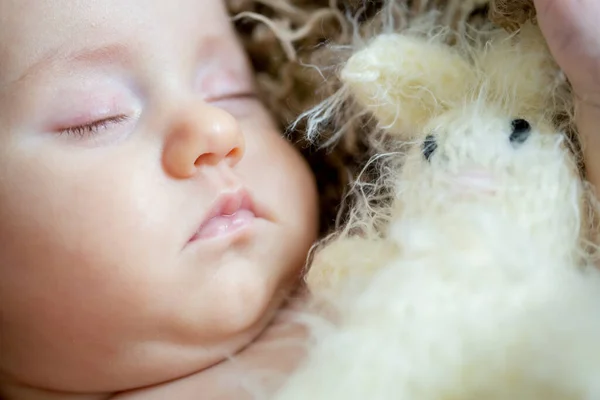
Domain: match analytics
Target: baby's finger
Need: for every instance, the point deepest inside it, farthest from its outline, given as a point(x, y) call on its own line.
point(572, 31)
point(558, 20)
point(570, 21)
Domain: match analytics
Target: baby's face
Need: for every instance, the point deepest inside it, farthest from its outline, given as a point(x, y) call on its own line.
point(150, 212)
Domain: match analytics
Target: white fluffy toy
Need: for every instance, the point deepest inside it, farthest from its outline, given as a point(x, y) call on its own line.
point(481, 284)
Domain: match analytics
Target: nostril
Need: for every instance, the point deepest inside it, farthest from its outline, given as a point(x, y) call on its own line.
point(521, 130)
point(235, 153)
point(213, 158)
point(206, 159)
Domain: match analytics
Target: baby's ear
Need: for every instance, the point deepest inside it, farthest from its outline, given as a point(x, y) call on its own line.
point(405, 81)
point(520, 72)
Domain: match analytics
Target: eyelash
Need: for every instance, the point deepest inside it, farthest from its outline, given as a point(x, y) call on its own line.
point(234, 104)
point(94, 127)
point(97, 126)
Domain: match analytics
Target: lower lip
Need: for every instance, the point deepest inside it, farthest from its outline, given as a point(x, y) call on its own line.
point(224, 225)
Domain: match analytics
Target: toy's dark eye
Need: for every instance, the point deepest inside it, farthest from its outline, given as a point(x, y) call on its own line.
point(521, 129)
point(429, 147)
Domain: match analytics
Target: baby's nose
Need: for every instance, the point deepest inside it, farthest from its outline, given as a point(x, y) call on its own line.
point(202, 135)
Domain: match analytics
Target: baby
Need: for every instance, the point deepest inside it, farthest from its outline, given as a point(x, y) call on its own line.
point(153, 219)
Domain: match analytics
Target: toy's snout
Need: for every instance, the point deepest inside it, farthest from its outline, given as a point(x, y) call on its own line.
point(474, 180)
point(473, 154)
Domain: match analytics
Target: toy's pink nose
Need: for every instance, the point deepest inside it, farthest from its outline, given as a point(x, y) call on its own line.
point(475, 180)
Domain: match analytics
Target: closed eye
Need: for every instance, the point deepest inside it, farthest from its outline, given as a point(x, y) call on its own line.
point(239, 105)
point(250, 95)
point(93, 127)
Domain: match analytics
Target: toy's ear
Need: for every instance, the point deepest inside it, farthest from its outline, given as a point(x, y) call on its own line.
point(520, 72)
point(404, 81)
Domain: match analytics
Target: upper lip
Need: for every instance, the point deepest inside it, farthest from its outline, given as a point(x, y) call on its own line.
point(228, 203)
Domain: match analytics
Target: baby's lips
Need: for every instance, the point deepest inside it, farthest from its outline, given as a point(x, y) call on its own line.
point(225, 224)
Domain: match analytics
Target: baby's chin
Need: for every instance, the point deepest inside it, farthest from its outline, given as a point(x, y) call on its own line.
point(188, 354)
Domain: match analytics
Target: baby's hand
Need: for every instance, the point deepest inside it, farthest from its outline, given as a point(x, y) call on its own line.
point(572, 30)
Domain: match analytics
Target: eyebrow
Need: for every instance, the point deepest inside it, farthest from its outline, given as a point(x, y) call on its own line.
point(105, 54)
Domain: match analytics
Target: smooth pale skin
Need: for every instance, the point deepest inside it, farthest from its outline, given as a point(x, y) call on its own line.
point(100, 291)
point(572, 31)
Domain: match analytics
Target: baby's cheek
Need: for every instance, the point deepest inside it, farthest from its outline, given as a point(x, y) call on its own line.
point(282, 179)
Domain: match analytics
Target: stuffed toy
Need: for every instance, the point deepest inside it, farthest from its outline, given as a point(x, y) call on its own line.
point(479, 283)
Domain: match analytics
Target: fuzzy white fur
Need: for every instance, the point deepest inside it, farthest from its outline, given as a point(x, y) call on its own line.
point(479, 287)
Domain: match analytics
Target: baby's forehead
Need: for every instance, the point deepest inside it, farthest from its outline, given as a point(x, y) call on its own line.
point(33, 33)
